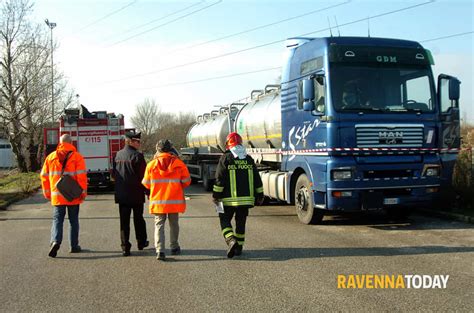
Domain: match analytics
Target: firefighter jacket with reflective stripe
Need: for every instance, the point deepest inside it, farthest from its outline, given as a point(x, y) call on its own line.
point(51, 173)
point(166, 176)
point(237, 181)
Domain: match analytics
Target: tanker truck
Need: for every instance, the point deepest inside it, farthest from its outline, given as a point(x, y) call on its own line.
point(356, 124)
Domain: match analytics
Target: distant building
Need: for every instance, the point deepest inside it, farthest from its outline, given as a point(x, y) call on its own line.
point(7, 158)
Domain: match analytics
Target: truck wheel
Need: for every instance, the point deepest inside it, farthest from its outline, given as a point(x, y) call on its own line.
point(307, 214)
point(207, 182)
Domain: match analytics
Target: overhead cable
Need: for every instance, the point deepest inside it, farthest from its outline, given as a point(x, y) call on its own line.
point(265, 44)
point(164, 24)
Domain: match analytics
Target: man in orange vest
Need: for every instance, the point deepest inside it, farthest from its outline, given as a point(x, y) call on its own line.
point(166, 176)
point(50, 175)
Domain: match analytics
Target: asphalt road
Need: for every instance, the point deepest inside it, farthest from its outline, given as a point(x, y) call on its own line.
point(286, 266)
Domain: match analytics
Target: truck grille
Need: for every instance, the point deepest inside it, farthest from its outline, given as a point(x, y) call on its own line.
point(387, 136)
point(388, 173)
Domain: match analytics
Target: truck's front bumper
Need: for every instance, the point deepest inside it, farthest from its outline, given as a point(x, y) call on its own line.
point(380, 194)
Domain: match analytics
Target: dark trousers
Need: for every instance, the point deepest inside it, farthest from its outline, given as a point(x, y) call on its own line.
point(240, 221)
point(138, 221)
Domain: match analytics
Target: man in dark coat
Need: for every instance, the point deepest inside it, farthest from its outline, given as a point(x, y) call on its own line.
point(129, 169)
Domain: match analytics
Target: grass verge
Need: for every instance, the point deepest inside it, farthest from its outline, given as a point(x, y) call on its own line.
point(15, 186)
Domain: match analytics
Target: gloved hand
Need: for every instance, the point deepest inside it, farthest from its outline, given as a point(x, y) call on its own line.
point(216, 201)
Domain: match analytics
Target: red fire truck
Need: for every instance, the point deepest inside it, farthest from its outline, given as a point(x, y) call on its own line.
point(98, 136)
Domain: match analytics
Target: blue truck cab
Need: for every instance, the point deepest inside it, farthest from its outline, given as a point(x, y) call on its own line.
point(365, 126)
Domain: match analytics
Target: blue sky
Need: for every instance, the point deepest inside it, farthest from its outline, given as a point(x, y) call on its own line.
point(113, 74)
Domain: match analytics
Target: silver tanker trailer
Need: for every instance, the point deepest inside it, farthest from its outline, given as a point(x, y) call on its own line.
point(257, 120)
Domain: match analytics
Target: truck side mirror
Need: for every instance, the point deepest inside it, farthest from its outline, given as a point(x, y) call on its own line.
point(308, 95)
point(454, 88)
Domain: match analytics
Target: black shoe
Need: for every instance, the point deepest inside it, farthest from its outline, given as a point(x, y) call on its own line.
point(53, 251)
point(126, 252)
point(143, 245)
point(75, 249)
point(176, 251)
point(231, 249)
point(238, 250)
point(161, 256)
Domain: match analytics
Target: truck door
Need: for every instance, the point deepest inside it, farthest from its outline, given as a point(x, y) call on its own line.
point(449, 103)
point(450, 136)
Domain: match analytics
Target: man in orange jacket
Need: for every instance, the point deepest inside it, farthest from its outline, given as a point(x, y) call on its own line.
point(166, 176)
point(50, 175)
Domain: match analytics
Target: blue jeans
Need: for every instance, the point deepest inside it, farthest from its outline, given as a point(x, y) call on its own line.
point(58, 220)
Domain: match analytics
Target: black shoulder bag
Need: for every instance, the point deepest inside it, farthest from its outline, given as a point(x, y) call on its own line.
point(68, 186)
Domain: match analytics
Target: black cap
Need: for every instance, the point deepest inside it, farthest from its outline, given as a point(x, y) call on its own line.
point(164, 145)
point(133, 136)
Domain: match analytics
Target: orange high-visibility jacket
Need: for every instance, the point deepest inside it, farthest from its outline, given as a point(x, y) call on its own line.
point(51, 173)
point(166, 176)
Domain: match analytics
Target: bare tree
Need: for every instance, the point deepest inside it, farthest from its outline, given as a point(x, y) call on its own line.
point(146, 120)
point(14, 40)
point(24, 92)
point(174, 126)
point(155, 125)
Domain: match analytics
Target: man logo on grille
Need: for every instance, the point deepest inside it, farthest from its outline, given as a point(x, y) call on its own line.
point(390, 137)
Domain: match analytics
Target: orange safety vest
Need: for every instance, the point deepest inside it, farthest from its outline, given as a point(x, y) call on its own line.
point(166, 176)
point(51, 173)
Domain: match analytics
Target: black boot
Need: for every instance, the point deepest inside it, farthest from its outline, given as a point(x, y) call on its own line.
point(126, 249)
point(143, 245)
point(232, 245)
point(238, 250)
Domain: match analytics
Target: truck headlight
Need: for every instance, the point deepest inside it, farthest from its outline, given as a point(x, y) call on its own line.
point(432, 171)
point(341, 174)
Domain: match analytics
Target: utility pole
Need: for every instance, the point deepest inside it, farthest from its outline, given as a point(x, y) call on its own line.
point(51, 25)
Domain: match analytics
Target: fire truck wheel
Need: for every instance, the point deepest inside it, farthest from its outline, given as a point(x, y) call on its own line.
point(307, 214)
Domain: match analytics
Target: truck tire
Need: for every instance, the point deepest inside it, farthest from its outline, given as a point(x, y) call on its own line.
point(304, 204)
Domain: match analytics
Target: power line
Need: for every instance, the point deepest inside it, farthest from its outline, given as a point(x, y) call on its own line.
point(108, 15)
point(374, 16)
point(206, 79)
point(161, 18)
point(260, 27)
point(265, 70)
point(164, 24)
point(448, 36)
point(265, 44)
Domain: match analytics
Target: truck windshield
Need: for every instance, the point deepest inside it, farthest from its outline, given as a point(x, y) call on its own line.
point(381, 89)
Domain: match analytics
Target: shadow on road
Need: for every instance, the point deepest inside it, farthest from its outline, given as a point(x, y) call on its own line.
point(276, 254)
point(380, 221)
point(88, 254)
point(284, 254)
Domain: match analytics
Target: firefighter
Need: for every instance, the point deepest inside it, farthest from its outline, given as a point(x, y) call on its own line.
point(166, 176)
point(50, 175)
point(238, 186)
point(128, 170)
